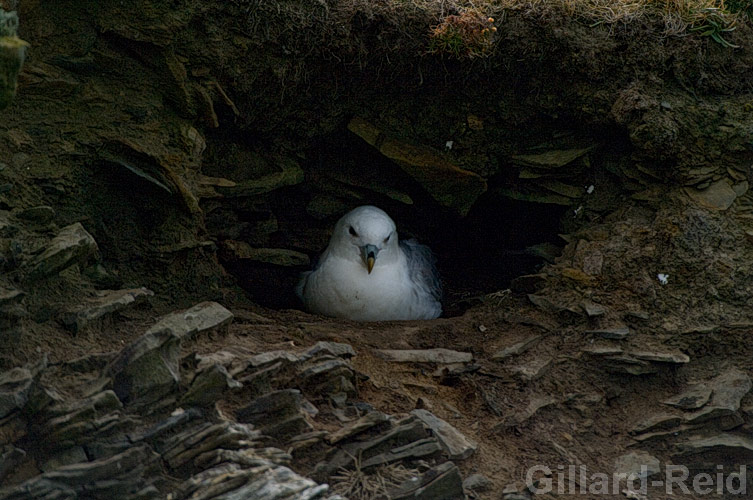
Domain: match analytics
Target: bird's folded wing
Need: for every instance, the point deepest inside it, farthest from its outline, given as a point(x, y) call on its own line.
point(422, 267)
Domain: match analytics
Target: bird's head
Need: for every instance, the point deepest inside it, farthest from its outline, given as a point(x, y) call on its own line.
point(367, 234)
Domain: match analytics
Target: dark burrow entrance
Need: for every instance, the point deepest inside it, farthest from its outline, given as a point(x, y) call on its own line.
point(498, 240)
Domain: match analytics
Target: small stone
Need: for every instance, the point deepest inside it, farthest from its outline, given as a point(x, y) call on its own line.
point(545, 304)
point(637, 464)
point(641, 315)
point(533, 370)
point(717, 196)
point(477, 483)
point(547, 251)
point(592, 310)
point(100, 277)
point(740, 188)
point(454, 443)
point(10, 296)
point(334, 348)
point(516, 349)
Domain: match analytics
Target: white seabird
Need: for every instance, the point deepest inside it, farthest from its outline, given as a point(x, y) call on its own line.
point(365, 274)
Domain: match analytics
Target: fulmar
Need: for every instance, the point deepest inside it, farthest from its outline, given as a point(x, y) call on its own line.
point(367, 274)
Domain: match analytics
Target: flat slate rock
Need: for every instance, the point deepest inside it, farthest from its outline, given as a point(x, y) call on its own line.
point(603, 350)
point(516, 349)
point(278, 413)
point(728, 389)
point(439, 355)
point(148, 368)
point(657, 422)
point(10, 296)
point(454, 443)
point(72, 245)
point(534, 405)
point(202, 317)
point(442, 482)
point(477, 483)
point(208, 385)
point(532, 370)
point(387, 447)
point(638, 464)
point(592, 309)
point(718, 196)
point(368, 421)
point(691, 399)
point(730, 446)
point(628, 365)
point(661, 357)
point(333, 348)
point(106, 302)
point(617, 333)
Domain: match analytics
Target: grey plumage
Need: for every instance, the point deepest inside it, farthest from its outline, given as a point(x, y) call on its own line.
point(423, 267)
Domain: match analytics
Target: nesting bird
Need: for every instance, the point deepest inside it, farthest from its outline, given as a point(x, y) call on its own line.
point(366, 274)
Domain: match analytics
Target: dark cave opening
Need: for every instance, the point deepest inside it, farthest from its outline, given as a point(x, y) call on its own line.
point(476, 254)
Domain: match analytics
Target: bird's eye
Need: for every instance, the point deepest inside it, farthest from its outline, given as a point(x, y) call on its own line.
point(387, 239)
point(352, 231)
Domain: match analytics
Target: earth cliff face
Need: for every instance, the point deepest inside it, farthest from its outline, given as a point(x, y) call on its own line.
point(162, 154)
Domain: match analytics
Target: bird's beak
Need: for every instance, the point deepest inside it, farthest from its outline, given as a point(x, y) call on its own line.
point(369, 254)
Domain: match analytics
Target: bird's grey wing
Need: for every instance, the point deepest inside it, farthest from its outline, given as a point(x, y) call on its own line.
point(422, 267)
point(299, 288)
point(317, 262)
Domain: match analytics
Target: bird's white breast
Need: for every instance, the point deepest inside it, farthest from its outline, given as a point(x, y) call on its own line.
point(343, 288)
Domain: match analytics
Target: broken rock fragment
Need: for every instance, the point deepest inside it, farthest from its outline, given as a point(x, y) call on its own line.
point(454, 443)
point(105, 302)
point(442, 482)
point(200, 318)
point(72, 245)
